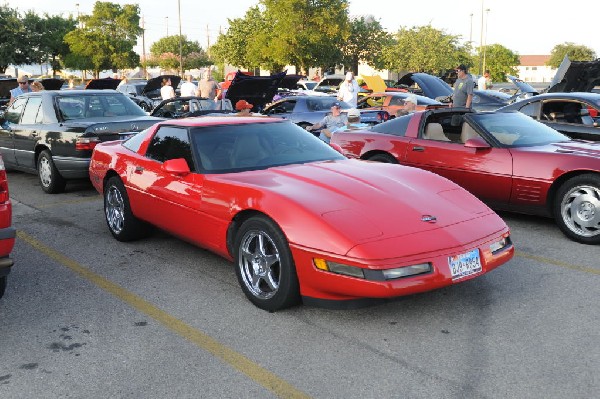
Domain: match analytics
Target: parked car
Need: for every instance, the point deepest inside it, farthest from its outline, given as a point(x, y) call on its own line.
point(299, 221)
point(308, 110)
point(52, 133)
point(146, 93)
point(7, 232)
point(576, 114)
point(392, 102)
point(186, 107)
point(257, 90)
point(508, 160)
point(435, 88)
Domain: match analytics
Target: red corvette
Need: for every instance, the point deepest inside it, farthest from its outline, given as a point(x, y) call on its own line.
point(299, 220)
point(508, 160)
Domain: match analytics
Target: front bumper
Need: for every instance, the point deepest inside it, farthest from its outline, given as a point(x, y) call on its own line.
point(326, 289)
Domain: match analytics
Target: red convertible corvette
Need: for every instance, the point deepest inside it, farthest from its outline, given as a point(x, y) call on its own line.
point(299, 220)
point(508, 160)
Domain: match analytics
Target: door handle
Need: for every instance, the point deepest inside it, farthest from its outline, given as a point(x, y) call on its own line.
point(138, 170)
point(418, 148)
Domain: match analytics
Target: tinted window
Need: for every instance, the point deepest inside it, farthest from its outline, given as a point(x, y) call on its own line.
point(170, 142)
point(13, 114)
point(223, 149)
point(395, 126)
point(323, 103)
point(134, 142)
point(96, 105)
point(33, 113)
point(532, 109)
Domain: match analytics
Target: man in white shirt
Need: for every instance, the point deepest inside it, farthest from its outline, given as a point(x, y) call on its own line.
point(484, 82)
point(188, 88)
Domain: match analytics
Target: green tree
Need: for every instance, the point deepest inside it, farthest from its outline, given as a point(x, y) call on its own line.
point(165, 53)
point(307, 33)
point(424, 49)
point(500, 60)
point(576, 52)
point(366, 43)
point(107, 37)
point(10, 35)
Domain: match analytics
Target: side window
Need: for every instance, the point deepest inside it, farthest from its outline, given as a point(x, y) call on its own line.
point(532, 109)
point(396, 100)
point(33, 111)
point(13, 113)
point(171, 142)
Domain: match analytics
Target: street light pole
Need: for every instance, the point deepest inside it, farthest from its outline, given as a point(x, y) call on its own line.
point(481, 43)
point(471, 31)
point(487, 19)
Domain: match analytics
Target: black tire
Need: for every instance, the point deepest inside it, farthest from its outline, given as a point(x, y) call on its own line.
point(121, 222)
point(385, 158)
point(2, 285)
point(577, 208)
point(50, 179)
point(267, 275)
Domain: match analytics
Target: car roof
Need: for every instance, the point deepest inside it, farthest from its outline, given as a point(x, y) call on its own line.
point(223, 120)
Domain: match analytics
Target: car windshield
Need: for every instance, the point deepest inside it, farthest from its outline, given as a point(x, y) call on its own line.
point(232, 148)
point(515, 129)
point(96, 105)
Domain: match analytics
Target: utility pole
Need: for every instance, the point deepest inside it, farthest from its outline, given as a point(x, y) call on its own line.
point(180, 40)
point(145, 72)
point(207, 41)
point(167, 19)
point(481, 43)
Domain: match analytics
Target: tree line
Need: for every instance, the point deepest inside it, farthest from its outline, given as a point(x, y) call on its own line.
point(271, 35)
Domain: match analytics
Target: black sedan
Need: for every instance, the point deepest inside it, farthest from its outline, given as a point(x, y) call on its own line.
point(52, 133)
point(576, 115)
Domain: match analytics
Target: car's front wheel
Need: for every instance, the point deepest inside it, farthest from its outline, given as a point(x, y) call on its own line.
point(123, 225)
point(2, 286)
point(385, 158)
point(264, 265)
point(577, 208)
point(50, 179)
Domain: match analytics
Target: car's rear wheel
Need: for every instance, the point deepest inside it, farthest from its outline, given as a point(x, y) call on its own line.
point(50, 179)
point(264, 265)
point(2, 286)
point(386, 158)
point(577, 208)
point(123, 225)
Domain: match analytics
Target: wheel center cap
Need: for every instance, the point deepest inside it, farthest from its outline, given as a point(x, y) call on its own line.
point(586, 211)
point(259, 266)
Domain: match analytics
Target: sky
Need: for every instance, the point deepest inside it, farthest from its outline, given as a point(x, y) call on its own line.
point(526, 27)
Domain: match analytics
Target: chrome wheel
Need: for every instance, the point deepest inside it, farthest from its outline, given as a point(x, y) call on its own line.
point(580, 210)
point(260, 264)
point(114, 207)
point(45, 172)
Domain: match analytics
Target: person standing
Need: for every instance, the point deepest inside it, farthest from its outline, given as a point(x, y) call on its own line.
point(484, 82)
point(167, 91)
point(349, 90)
point(330, 123)
point(23, 87)
point(463, 88)
point(188, 88)
point(208, 87)
point(37, 86)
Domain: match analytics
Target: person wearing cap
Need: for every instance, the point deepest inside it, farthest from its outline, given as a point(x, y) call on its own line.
point(330, 123)
point(463, 88)
point(354, 122)
point(23, 87)
point(348, 91)
point(243, 108)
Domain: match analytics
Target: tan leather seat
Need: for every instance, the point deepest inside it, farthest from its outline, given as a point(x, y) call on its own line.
point(435, 131)
point(467, 133)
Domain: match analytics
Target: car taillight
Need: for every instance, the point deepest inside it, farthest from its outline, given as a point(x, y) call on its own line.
point(383, 116)
point(86, 143)
point(3, 183)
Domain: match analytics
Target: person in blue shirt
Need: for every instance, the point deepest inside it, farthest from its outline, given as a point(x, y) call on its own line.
point(23, 87)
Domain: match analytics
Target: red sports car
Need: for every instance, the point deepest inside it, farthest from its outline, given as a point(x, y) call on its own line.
point(299, 220)
point(7, 232)
point(508, 160)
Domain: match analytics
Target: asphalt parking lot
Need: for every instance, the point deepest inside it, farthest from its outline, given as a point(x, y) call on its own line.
point(87, 316)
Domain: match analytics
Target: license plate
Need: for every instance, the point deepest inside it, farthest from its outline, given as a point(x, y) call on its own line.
point(464, 265)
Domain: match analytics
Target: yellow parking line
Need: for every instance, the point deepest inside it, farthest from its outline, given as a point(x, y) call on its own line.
point(557, 263)
point(239, 362)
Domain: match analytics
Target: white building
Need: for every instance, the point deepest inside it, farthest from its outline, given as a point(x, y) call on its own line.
point(533, 68)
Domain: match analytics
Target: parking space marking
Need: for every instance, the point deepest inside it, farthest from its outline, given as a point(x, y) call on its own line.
point(559, 263)
point(73, 201)
point(262, 376)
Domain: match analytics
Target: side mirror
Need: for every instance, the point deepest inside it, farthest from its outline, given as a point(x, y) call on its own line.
point(178, 166)
point(477, 143)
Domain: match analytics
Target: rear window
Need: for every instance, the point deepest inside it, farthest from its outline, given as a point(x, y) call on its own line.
point(96, 105)
point(396, 126)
